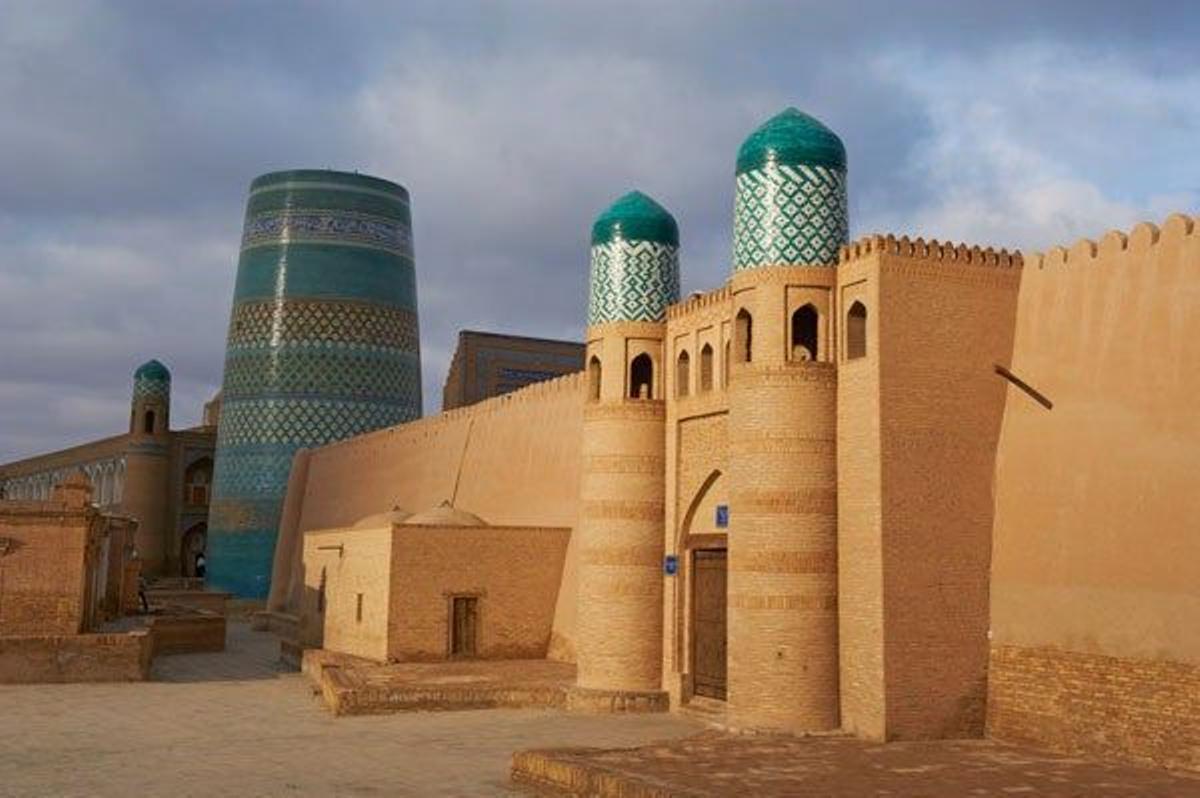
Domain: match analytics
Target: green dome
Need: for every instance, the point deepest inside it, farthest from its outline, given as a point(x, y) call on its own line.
point(793, 138)
point(152, 370)
point(636, 217)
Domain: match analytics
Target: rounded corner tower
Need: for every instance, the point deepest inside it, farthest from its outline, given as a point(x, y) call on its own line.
point(634, 277)
point(790, 220)
point(322, 346)
point(146, 458)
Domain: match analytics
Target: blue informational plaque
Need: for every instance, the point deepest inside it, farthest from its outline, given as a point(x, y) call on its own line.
point(670, 565)
point(722, 516)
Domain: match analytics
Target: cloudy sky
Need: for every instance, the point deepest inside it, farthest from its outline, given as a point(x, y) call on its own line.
point(129, 132)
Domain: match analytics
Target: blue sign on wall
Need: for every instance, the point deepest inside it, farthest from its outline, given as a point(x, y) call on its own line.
point(722, 516)
point(670, 565)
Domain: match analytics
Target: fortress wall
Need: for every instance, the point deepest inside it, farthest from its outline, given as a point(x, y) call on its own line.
point(946, 318)
point(860, 512)
point(1096, 561)
point(939, 317)
point(519, 457)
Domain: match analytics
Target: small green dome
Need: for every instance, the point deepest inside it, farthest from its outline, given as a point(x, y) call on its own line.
point(793, 138)
point(152, 370)
point(636, 217)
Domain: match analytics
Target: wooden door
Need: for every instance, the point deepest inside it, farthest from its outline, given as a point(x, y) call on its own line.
point(464, 626)
point(708, 622)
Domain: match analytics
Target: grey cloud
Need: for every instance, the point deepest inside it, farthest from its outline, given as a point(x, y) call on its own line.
point(129, 133)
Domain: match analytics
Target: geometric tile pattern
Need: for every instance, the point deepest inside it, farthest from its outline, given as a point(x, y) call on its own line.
point(789, 215)
point(363, 373)
point(151, 387)
point(632, 281)
point(303, 422)
point(322, 323)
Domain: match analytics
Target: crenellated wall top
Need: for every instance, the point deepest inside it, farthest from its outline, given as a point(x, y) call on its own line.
point(1142, 238)
point(930, 250)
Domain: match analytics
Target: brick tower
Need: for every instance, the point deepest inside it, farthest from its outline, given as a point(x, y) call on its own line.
point(789, 221)
point(147, 462)
point(322, 346)
point(634, 277)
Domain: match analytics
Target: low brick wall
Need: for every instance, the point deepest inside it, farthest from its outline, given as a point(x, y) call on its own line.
point(208, 600)
point(76, 658)
point(1139, 710)
point(187, 634)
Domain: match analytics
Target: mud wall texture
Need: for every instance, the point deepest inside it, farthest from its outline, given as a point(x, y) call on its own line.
point(1095, 592)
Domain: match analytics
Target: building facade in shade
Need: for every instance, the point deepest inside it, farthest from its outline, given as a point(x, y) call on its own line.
point(490, 364)
point(897, 488)
point(159, 477)
point(322, 346)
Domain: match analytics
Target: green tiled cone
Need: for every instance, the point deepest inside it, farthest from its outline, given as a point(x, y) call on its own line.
point(322, 346)
point(790, 204)
point(635, 262)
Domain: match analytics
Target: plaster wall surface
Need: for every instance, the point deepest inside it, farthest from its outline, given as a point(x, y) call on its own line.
point(1096, 562)
point(351, 572)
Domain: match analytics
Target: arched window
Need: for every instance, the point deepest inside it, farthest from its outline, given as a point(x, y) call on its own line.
point(148, 422)
point(856, 331)
point(197, 481)
point(706, 368)
point(743, 335)
point(804, 333)
point(593, 376)
point(641, 377)
point(682, 374)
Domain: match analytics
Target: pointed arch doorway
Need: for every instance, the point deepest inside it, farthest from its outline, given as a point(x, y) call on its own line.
point(704, 542)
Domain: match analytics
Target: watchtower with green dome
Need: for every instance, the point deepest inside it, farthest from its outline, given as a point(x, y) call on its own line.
point(790, 203)
point(634, 278)
point(635, 262)
point(150, 413)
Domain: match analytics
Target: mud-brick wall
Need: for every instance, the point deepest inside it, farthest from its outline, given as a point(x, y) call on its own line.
point(43, 554)
point(1096, 560)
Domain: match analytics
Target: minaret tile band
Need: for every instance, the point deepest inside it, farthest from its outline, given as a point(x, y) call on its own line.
point(790, 207)
point(322, 346)
point(634, 262)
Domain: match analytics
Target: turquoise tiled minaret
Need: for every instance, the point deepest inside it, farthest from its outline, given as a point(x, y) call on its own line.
point(790, 207)
point(635, 262)
point(322, 346)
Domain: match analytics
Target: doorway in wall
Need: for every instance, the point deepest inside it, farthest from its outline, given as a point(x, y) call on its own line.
point(708, 622)
point(464, 626)
point(191, 545)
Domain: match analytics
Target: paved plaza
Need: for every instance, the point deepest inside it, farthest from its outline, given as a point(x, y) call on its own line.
point(233, 724)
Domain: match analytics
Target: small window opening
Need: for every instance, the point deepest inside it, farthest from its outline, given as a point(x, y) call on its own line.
point(706, 368)
point(804, 333)
point(725, 366)
point(358, 609)
point(682, 376)
point(743, 334)
point(856, 331)
point(321, 593)
point(148, 421)
point(641, 377)
point(594, 378)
